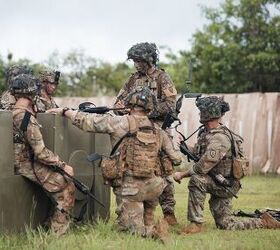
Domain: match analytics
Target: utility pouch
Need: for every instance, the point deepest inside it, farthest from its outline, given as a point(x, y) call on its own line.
point(240, 168)
point(110, 167)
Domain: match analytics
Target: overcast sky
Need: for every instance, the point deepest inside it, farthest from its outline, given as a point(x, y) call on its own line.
point(104, 29)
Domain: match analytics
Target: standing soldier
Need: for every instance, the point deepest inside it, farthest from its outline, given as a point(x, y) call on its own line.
point(32, 158)
point(145, 58)
point(218, 171)
point(7, 100)
point(50, 81)
point(133, 167)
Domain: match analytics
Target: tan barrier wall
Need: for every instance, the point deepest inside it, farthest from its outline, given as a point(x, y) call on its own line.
point(255, 116)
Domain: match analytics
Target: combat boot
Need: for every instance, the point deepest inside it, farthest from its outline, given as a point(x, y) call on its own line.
point(269, 222)
point(170, 219)
point(161, 232)
point(192, 228)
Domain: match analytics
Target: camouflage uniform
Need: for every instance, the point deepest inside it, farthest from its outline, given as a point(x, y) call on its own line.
point(7, 100)
point(31, 161)
point(51, 77)
point(214, 148)
point(137, 196)
point(163, 88)
point(48, 102)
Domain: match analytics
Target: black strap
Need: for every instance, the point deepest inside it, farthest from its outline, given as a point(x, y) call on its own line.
point(25, 121)
point(233, 150)
point(128, 134)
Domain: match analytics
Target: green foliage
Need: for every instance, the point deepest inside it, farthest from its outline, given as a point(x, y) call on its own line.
point(239, 49)
point(257, 192)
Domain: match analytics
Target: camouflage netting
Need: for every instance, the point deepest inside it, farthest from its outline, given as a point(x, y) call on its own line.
point(147, 52)
point(15, 70)
point(255, 116)
point(49, 76)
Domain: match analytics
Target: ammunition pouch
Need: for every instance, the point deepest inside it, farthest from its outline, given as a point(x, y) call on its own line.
point(111, 168)
point(240, 168)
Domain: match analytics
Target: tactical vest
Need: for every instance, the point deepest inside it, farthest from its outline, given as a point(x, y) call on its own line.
point(145, 81)
point(225, 166)
point(48, 104)
point(140, 151)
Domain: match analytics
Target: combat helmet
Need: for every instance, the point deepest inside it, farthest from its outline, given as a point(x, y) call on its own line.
point(211, 107)
point(49, 76)
point(141, 97)
point(147, 52)
point(25, 85)
point(15, 70)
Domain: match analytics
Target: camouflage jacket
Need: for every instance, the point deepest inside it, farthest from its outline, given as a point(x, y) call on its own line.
point(48, 102)
point(30, 145)
point(118, 126)
point(7, 101)
point(161, 85)
point(214, 148)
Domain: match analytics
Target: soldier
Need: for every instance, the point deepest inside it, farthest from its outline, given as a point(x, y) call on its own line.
point(7, 100)
point(218, 150)
point(32, 158)
point(50, 81)
point(145, 58)
point(133, 166)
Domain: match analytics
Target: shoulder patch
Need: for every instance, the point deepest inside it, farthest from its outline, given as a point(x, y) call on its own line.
point(212, 153)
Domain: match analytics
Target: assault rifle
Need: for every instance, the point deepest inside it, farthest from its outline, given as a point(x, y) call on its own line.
point(275, 213)
point(78, 184)
point(219, 179)
point(172, 116)
point(89, 107)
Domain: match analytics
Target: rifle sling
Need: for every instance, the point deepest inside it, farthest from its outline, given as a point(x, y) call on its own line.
point(25, 121)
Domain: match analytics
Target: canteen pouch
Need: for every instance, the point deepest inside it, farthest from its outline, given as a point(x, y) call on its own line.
point(240, 168)
point(110, 167)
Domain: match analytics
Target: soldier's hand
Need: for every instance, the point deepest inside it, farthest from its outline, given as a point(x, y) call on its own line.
point(55, 111)
point(69, 170)
point(177, 176)
point(119, 104)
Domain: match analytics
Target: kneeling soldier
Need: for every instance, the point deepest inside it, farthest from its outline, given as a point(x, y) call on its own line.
point(220, 165)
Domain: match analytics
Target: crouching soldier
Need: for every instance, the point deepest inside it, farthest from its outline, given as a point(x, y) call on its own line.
point(33, 159)
point(133, 168)
point(220, 165)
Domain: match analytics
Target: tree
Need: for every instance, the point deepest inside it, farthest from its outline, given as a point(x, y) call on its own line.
point(239, 49)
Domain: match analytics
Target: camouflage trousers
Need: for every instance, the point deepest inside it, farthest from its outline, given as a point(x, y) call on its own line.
point(57, 187)
point(137, 199)
point(220, 204)
point(166, 199)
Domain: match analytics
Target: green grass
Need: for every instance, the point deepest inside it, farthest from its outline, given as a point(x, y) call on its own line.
point(257, 192)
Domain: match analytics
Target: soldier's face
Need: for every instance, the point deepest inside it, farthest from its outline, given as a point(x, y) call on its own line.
point(141, 66)
point(50, 88)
